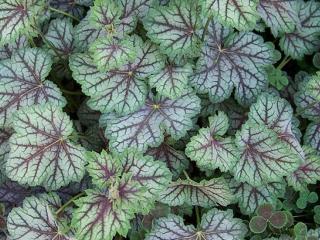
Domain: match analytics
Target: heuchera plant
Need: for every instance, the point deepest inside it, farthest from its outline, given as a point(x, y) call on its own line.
point(159, 119)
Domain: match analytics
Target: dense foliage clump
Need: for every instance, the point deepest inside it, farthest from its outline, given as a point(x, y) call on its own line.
point(159, 119)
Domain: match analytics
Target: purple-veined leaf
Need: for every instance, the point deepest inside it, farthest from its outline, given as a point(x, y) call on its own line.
point(132, 10)
point(172, 81)
point(175, 27)
point(18, 17)
point(23, 83)
point(41, 150)
point(60, 37)
point(35, 220)
point(263, 156)
point(145, 127)
point(124, 89)
point(307, 98)
point(232, 60)
point(307, 173)
point(126, 184)
point(109, 53)
point(311, 137)
point(206, 193)
point(103, 213)
point(9, 49)
point(102, 168)
point(152, 175)
point(249, 197)
point(240, 14)
point(305, 39)
point(210, 149)
point(215, 224)
point(279, 15)
point(85, 34)
point(100, 23)
point(105, 15)
point(276, 113)
point(295, 128)
point(175, 159)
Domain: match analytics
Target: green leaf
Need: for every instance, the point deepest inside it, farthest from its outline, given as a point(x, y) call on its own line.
point(9, 49)
point(126, 184)
point(206, 193)
point(41, 151)
point(258, 224)
point(175, 160)
point(307, 173)
point(300, 229)
point(312, 136)
point(102, 168)
point(18, 17)
point(35, 219)
point(249, 197)
point(103, 213)
point(109, 53)
point(124, 89)
point(105, 15)
point(279, 15)
point(172, 81)
point(109, 19)
point(175, 27)
point(215, 224)
point(23, 83)
point(263, 157)
point(305, 39)
point(277, 78)
point(307, 98)
point(276, 113)
point(152, 175)
point(85, 34)
point(231, 60)
point(145, 127)
point(241, 15)
point(60, 36)
point(278, 219)
point(209, 149)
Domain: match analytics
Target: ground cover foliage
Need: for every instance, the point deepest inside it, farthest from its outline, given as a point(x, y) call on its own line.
point(159, 119)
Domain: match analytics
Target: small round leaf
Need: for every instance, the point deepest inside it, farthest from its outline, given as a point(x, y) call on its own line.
point(278, 219)
point(258, 224)
point(265, 210)
point(300, 229)
point(313, 197)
